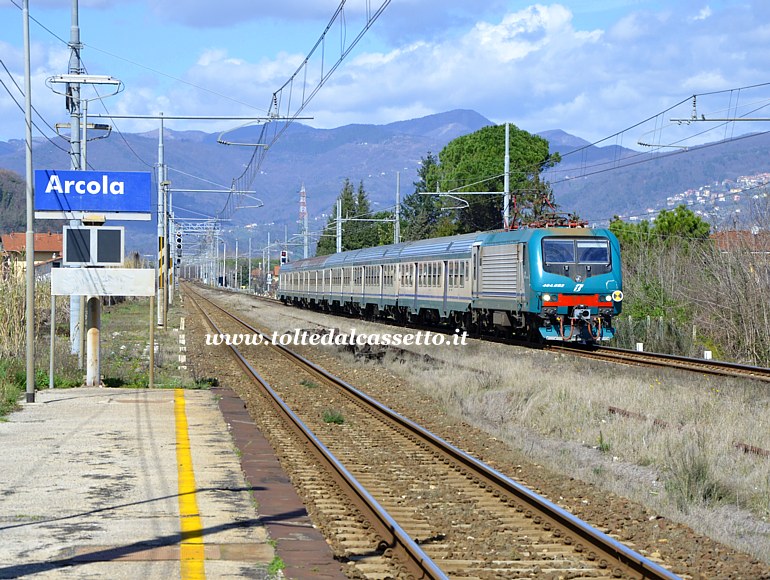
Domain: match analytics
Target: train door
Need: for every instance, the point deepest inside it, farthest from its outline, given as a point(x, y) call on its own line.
point(444, 285)
point(381, 269)
point(475, 270)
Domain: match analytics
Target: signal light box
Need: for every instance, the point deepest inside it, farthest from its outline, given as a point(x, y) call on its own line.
point(93, 246)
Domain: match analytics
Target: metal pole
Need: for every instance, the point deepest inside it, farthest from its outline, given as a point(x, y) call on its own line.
point(152, 342)
point(82, 333)
point(73, 104)
point(159, 224)
point(224, 263)
point(166, 246)
point(507, 184)
point(84, 133)
point(93, 359)
point(266, 263)
point(339, 225)
point(249, 265)
point(237, 273)
point(171, 228)
point(30, 261)
point(53, 342)
point(397, 222)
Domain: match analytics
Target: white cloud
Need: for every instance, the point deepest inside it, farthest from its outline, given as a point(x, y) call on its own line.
point(705, 81)
point(703, 14)
point(540, 66)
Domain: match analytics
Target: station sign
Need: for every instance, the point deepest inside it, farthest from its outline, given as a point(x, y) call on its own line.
point(124, 195)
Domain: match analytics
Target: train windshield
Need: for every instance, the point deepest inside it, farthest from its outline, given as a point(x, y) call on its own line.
point(576, 251)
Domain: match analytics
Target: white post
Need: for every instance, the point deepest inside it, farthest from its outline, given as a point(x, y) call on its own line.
point(507, 181)
point(397, 222)
point(339, 225)
point(93, 378)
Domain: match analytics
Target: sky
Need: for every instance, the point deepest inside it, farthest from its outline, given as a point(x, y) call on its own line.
point(613, 72)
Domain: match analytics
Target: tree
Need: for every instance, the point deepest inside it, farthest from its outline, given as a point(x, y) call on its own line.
point(421, 214)
point(681, 223)
point(476, 162)
point(657, 260)
point(355, 234)
point(629, 234)
point(680, 226)
point(12, 202)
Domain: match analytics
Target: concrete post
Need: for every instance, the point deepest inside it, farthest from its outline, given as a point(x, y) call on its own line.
point(94, 307)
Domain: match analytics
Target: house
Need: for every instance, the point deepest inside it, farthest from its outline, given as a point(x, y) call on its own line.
point(47, 246)
point(757, 242)
point(48, 249)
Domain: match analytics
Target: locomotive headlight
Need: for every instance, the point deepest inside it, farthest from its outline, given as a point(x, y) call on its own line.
point(546, 297)
point(608, 298)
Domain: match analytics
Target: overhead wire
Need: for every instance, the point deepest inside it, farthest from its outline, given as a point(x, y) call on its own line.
point(21, 108)
point(272, 131)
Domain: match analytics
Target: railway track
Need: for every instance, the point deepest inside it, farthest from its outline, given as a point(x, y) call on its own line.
point(619, 355)
point(704, 366)
point(443, 511)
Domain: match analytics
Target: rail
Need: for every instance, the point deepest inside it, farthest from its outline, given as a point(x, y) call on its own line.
point(597, 545)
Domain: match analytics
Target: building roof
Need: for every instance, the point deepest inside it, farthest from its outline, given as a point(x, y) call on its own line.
point(17, 242)
point(732, 240)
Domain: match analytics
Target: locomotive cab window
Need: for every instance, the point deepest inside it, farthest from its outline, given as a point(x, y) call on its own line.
point(593, 252)
point(587, 256)
point(558, 251)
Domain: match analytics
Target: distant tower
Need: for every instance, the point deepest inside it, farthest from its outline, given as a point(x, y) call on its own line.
point(303, 218)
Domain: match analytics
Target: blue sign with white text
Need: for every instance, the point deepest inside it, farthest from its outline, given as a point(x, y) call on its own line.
point(92, 191)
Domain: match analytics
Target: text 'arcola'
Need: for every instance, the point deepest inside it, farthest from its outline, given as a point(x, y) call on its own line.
point(81, 186)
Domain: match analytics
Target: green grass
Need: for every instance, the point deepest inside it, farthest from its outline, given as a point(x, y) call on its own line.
point(603, 445)
point(124, 358)
point(333, 416)
point(276, 566)
point(125, 349)
point(10, 390)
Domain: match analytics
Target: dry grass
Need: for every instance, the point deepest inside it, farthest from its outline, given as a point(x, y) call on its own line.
point(678, 458)
point(684, 443)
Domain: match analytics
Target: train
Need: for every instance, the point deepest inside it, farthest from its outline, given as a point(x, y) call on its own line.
point(552, 283)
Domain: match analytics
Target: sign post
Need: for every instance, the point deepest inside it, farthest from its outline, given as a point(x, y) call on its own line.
point(92, 197)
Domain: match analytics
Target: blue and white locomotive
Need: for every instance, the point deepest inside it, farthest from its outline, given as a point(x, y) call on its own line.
point(552, 283)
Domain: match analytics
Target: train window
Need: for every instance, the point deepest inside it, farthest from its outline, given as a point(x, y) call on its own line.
point(593, 251)
point(558, 251)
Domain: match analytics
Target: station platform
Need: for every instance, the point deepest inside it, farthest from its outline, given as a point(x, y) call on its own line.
point(148, 483)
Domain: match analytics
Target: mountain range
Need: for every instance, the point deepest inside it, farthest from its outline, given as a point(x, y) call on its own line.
point(596, 182)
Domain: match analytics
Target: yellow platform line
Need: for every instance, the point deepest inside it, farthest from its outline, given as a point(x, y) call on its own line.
point(191, 555)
